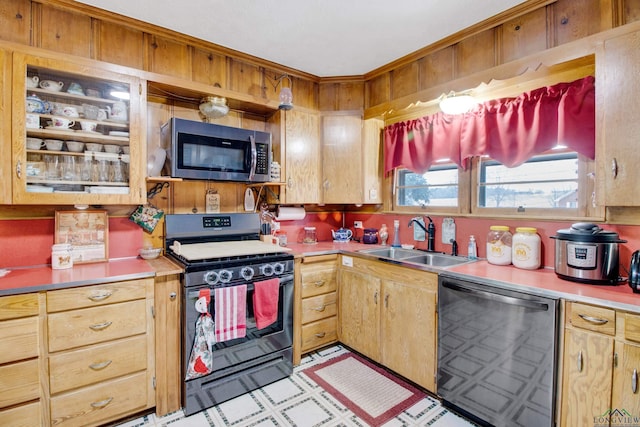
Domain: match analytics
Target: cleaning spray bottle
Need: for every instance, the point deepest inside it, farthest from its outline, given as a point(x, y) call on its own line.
point(473, 248)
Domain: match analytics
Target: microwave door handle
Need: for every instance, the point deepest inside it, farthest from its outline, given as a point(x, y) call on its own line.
point(254, 157)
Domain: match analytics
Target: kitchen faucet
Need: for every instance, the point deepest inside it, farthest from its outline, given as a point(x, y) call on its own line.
point(430, 230)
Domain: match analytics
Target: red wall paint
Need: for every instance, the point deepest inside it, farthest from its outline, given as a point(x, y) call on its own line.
point(26, 242)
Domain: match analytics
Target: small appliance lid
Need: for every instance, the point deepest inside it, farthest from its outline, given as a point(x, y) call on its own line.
point(588, 232)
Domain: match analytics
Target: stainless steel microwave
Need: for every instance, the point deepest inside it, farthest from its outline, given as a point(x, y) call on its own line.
point(214, 152)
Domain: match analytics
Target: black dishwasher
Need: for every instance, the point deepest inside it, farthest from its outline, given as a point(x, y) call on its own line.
point(497, 353)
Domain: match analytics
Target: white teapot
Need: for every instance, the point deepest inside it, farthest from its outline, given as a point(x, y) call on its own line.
point(118, 111)
point(33, 81)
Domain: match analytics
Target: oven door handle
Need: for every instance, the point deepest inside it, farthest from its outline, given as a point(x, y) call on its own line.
point(194, 295)
point(498, 297)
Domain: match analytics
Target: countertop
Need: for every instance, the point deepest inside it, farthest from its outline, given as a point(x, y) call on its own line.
point(543, 282)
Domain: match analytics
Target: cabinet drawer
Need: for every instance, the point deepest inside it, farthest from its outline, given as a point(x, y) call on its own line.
point(97, 324)
point(16, 306)
point(632, 327)
point(319, 307)
point(18, 339)
point(90, 296)
point(97, 363)
point(318, 278)
point(319, 333)
point(19, 382)
point(102, 402)
point(22, 416)
point(597, 319)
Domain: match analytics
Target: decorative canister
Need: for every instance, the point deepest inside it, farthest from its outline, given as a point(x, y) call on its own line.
point(526, 248)
point(61, 256)
point(499, 245)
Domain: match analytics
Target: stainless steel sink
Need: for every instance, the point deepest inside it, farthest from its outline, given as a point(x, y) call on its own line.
point(415, 256)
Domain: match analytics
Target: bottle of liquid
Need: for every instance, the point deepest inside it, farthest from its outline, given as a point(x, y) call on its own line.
point(396, 233)
point(473, 249)
point(384, 234)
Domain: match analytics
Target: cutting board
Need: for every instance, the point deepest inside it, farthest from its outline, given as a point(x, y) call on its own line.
point(197, 251)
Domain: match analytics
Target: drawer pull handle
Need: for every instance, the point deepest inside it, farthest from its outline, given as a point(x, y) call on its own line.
point(593, 320)
point(319, 283)
point(321, 335)
point(320, 308)
point(100, 365)
point(100, 297)
point(172, 296)
point(375, 298)
point(634, 381)
point(102, 403)
point(580, 361)
point(100, 326)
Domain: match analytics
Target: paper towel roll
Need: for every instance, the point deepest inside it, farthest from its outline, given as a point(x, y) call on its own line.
point(287, 213)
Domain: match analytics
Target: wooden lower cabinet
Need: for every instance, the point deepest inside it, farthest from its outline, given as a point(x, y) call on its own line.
point(101, 362)
point(317, 305)
point(388, 313)
point(601, 367)
point(20, 403)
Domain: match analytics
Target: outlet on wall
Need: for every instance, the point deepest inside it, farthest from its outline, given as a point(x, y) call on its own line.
point(357, 224)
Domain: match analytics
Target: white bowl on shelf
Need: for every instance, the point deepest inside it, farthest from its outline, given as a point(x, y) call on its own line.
point(94, 146)
point(75, 146)
point(149, 253)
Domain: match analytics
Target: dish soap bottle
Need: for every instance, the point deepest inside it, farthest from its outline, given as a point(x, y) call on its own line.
point(473, 249)
point(396, 233)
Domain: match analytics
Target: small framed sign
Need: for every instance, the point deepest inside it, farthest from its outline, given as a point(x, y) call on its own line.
point(88, 233)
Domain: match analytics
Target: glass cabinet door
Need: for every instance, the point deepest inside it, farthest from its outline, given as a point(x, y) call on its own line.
point(77, 136)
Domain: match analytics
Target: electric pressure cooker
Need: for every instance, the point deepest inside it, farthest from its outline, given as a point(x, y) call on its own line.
point(588, 254)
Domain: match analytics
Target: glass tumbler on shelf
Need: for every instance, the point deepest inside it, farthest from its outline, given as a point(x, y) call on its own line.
point(85, 169)
point(52, 162)
point(103, 170)
point(69, 168)
point(117, 171)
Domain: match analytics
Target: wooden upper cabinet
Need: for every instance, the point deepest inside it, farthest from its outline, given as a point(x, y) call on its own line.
point(343, 96)
point(617, 89)
point(5, 131)
point(15, 16)
point(378, 90)
point(342, 159)
point(576, 19)
point(404, 80)
point(168, 57)
point(127, 51)
point(209, 68)
point(63, 31)
point(524, 35)
point(301, 171)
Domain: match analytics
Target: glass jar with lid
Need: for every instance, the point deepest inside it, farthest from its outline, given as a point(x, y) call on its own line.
point(310, 236)
point(499, 245)
point(526, 248)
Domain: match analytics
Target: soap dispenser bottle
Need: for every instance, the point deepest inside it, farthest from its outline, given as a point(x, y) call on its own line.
point(473, 248)
point(396, 233)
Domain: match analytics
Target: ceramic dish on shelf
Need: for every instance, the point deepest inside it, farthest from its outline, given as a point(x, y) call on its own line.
point(94, 146)
point(58, 129)
point(149, 253)
point(39, 189)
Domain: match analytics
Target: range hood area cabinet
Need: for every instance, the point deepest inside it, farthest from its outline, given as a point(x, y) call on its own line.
point(351, 159)
point(109, 178)
point(618, 87)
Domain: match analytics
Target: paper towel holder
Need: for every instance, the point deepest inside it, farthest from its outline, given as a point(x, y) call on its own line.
point(290, 213)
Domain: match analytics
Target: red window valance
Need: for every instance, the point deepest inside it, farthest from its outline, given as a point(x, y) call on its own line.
point(510, 130)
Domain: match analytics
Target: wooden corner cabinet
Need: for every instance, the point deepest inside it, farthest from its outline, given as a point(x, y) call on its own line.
point(388, 313)
point(77, 133)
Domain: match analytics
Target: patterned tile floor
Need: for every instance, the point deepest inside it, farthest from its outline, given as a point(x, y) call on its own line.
point(298, 401)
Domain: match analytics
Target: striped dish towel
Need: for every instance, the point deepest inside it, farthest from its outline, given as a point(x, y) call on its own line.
point(230, 305)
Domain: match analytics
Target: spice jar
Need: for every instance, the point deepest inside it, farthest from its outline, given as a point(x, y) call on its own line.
point(499, 245)
point(526, 248)
point(61, 257)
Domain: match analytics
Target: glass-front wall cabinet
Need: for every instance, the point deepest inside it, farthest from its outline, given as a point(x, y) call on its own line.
point(77, 136)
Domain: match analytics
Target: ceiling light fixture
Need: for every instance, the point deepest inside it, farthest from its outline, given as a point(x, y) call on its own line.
point(214, 107)
point(286, 96)
point(453, 103)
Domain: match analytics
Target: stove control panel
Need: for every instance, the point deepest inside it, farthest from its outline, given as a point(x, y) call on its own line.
point(238, 274)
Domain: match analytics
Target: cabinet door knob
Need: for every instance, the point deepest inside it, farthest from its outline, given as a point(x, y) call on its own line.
point(101, 296)
point(386, 301)
point(375, 298)
point(634, 381)
point(100, 326)
point(102, 403)
point(614, 168)
point(19, 169)
point(100, 365)
point(580, 361)
point(594, 320)
point(172, 296)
